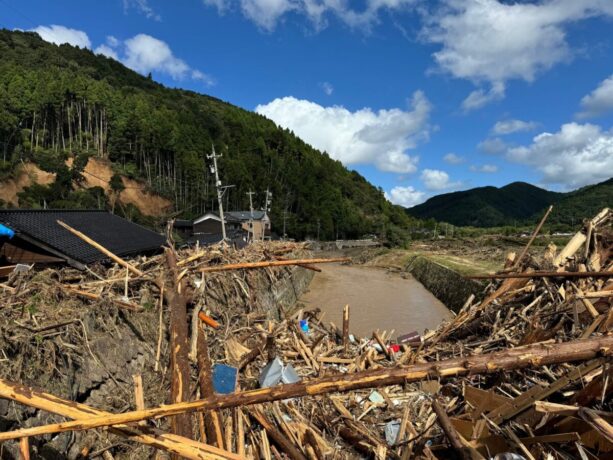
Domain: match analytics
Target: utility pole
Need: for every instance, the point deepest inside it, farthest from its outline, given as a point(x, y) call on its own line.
point(220, 190)
point(251, 229)
point(267, 205)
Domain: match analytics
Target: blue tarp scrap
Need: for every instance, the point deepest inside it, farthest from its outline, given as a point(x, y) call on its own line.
point(5, 231)
point(224, 379)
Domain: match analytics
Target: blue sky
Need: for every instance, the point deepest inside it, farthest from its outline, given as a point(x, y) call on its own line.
point(420, 96)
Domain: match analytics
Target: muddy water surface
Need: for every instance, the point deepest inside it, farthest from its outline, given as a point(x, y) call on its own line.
point(377, 299)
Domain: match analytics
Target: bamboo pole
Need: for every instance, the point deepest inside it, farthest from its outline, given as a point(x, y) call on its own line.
point(541, 275)
point(270, 263)
point(145, 435)
point(515, 358)
point(101, 248)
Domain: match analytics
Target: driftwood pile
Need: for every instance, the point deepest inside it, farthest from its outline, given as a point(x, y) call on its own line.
point(524, 373)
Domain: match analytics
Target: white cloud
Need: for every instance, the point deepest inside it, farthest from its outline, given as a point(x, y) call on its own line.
point(577, 155)
point(327, 88)
point(484, 168)
point(381, 138)
point(453, 159)
point(267, 13)
point(60, 35)
point(480, 97)
point(142, 53)
point(107, 51)
point(143, 7)
point(405, 196)
point(493, 145)
point(145, 53)
point(488, 41)
point(435, 179)
point(599, 101)
point(513, 126)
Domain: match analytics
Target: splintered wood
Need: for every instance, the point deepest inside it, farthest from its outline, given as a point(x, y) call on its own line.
point(524, 368)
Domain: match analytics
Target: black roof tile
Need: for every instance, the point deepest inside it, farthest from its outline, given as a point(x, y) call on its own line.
point(113, 232)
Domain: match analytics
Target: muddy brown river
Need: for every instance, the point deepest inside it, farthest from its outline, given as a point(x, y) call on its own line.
point(377, 299)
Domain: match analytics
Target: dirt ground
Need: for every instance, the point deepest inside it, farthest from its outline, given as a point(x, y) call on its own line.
point(466, 256)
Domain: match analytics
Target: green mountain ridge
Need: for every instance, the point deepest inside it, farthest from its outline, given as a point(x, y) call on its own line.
point(61, 102)
point(515, 204)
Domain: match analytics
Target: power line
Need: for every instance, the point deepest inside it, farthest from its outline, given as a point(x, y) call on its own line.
point(19, 12)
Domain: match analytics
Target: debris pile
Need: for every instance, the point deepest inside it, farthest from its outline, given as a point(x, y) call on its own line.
point(524, 373)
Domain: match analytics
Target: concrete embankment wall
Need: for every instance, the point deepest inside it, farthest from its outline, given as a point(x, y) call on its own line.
point(286, 291)
point(445, 284)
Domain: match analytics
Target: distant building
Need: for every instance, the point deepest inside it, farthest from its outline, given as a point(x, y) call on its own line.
point(36, 237)
point(257, 224)
point(239, 225)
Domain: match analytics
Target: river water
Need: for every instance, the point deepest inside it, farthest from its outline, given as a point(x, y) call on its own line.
point(377, 299)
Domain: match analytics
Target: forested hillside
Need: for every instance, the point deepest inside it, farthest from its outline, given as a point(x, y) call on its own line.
point(487, 206)
point(62, 103)
point(587, 201)
point(516, 204)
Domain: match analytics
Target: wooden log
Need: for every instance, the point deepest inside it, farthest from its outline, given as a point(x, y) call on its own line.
point(346, 327)
point(91, 296)
point(101, 248)
point(144, 435)
point(279, 438)
point(596, 294)
point(139, 394)
point(24, 449)
point(382, 344)
point(270, 263)
point(179, 347)
point(212, 421)
point(532, 238)
point(543, 274)
point(600, 424)
point(536, 355)
point(449, 430)
point(307, 266)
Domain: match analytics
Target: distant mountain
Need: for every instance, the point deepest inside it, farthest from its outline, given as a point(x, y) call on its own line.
point(582, 203)
point(515, 203)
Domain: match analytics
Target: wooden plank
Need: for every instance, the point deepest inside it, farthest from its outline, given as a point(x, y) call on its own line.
point(537, 393)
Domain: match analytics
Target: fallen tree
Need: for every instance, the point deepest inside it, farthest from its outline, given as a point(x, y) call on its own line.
point(542, 354)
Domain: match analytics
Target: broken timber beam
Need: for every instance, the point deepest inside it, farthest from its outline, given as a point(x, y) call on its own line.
point(541, 275)
point(145, 435)
point(536, 355)
point(270, 263)
point(212, 420)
